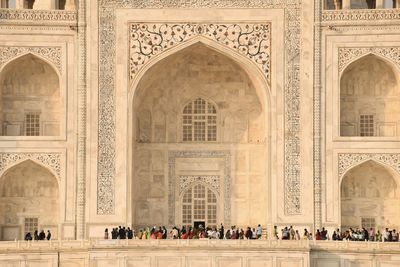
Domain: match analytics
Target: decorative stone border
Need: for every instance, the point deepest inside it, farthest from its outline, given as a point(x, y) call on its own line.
point(51, 53)
point(172, 179)
point(34, 16)
point(251, 40)
point(349, 54)
point(107, 116)
point(50, 160)
point(346, 161)
point(186, 181)
point(353, 15)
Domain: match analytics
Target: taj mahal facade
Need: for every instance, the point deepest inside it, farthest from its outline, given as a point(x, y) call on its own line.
point(188, 112)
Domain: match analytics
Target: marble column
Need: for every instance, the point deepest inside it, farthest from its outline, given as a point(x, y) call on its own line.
point(19, 4)
point(379, 4)
point(70, 5)
point(346, 4)
point(338, 4)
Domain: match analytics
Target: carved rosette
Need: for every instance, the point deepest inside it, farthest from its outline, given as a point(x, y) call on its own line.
point(50, 160)
point(51, 53)
point(251, 40)
point(346, 161)
point(349, 54)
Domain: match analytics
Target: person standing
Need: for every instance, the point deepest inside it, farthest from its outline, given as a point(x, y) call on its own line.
point(42, 235)
point(48, 237)
point(259, 231)
point(106, 234)
point(36, 235)
point(221, 232)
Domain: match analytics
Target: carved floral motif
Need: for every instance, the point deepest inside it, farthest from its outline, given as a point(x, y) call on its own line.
point(51, 53)
point(348, 160)
point(360, 15)
point(107, 47)
point(30, 15)
point(173, 179)
point(186, 181)
point(50, 160)
point(348, 54)
point(251, 40)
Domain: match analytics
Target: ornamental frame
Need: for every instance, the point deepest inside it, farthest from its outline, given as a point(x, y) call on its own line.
point(107, 117)
point(52, 161)
point(347, 161)
point(173, 179)
point(52, 54)
point(348, 55)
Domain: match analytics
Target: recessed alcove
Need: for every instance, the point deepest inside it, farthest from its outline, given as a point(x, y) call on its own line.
point(30, 103)
point(370, 197)
point(187, 108)
point(370, 98)
point(29, 200)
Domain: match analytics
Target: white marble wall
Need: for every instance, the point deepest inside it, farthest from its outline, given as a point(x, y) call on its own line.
point(200, 253)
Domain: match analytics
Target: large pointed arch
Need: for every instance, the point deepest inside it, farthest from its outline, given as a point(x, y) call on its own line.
point(29, 200)
point(369, 193)
point(31, 86)
point(368, 86)
point(18, 57)
point(253, 72)
point(389, 61)
point(23, 160)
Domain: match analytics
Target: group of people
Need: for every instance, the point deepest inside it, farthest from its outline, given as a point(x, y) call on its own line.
point(38, 236)
point(366, 235)
point(120, 233)
point(287, 233)
point(185, 233)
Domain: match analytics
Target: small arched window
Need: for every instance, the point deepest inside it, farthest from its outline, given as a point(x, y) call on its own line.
point(199, 121)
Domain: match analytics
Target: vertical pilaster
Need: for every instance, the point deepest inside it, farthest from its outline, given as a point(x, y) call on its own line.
point(70, 5)
point(346, 4)
point(317, 115)
point(81, 162)
point(19, 4)
point(379, 3)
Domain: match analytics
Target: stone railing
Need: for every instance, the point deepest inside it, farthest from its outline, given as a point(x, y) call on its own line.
point(301, 245)
point(360, 15)
point(29, 16)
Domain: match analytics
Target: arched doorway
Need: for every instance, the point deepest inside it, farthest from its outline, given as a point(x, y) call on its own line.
point(29, 98)
point(191, 113)
point(29, 201)
point(370, 197)
point(370, 98)
point(199, 206)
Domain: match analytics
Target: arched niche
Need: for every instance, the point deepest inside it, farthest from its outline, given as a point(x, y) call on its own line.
point(30, 102)
point(370, 98)
point(198, 71)
point(199, 205)
point(370, 195)
point(28, 193)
